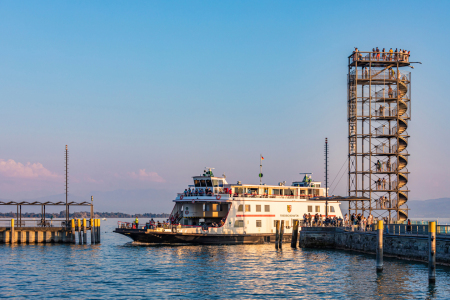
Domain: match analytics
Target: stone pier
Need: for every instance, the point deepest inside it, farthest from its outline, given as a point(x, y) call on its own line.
point(410, 247)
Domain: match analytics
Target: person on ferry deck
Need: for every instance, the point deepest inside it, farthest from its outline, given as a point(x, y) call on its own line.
point(136, 222)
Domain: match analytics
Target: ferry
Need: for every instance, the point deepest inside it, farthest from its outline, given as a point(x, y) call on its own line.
point(213, 211)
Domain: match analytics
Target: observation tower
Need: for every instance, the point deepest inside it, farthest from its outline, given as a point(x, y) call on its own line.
point(379, 109)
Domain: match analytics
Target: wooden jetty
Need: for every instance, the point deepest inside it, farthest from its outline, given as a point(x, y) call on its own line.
point(20, 231)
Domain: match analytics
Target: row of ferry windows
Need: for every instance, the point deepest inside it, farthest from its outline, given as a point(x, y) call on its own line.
point(240, 223)
point(258, 208)
point(208, 183)
point(310, 209)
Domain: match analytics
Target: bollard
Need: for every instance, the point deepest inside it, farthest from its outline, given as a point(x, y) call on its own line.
point(281, 232)
point(80, 240)
point(380, 246)
point(92, 232)
point(12, 235)
point(84, 231)
point(73, 232)
point(432, 252)
point(294, 234)
point(277, 233)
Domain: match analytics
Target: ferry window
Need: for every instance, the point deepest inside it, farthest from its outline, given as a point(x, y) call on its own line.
point(208, 182)
point(317, 208)
point(276, 191)
point(247, 208)
point(258, 208)
point(205, 207)
point(239, 223)
point(310, 208)
point(241, 207)
point(197, 183)
point(220, 183)
point(331, 208)
point(258, 223)
point(202, 183)
point(287, 223)
point(267, 208)
point(215, 183)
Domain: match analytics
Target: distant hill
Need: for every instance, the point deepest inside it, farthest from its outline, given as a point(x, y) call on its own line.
point(435, 208)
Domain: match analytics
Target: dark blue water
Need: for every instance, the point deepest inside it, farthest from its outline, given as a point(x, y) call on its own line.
point(120, 270)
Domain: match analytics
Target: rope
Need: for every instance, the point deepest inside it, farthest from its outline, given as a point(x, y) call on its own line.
point(337, 183)
point(338, 172)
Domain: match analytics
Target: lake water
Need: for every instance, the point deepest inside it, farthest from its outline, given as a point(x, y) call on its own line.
point(121, 270)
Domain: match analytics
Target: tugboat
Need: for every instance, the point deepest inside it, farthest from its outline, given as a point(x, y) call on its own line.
point(213, 211)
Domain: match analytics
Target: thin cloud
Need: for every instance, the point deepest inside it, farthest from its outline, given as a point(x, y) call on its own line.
point(13, 169)
point(145, 176)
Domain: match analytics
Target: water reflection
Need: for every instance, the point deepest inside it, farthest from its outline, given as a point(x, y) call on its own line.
point(118, 268)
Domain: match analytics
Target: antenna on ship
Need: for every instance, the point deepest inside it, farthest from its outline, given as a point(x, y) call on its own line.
point(261, 158)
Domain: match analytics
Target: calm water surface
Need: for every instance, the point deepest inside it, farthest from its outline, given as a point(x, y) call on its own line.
point(122, 270)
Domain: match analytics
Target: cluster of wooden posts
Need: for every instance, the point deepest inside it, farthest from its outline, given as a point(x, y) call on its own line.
point(279, 225)
point(80, 226)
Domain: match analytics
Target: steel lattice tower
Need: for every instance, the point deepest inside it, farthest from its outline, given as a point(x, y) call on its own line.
point(379, 109)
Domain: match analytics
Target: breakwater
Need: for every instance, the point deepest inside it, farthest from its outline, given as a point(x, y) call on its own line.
point(404, 246)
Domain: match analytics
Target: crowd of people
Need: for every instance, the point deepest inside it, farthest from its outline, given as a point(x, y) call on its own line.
point(321, 220)
point(391, 55)
point(205, 192)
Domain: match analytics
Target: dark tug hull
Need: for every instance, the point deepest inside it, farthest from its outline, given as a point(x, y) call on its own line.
point(142, 236)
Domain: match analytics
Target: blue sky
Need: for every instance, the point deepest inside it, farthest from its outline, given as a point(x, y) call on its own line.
point(170, 87)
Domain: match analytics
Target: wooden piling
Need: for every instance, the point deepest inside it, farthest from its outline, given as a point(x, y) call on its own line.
point(84, 231)
point(294, 234)
point(281, 233)
point(277, 233)
point(380, 246)
point(99, 231)
point(91, 223)
point(73, 231)
point(80, 239)
point(12, 234)
point(431, 252)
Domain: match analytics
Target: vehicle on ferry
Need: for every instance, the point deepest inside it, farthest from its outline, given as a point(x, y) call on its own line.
point(213, 211)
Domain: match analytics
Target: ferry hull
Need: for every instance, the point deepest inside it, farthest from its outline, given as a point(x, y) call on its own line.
point(197, 238)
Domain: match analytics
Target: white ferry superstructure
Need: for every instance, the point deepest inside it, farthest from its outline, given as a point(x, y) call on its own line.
point(213, 211)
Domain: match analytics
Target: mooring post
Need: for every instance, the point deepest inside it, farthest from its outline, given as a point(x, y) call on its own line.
point(99, 232)
point(73, 231)
point(294, 234)
point(91, 223)
point(84, 231)
point(80, 239)
point(12, 235)
point(277, 233)
point(380, 246)
point(94, 229)
point(431, 251)
point(281, 232)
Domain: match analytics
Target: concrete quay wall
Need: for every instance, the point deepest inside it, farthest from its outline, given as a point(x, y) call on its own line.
point(34, 235)
point(411, 247)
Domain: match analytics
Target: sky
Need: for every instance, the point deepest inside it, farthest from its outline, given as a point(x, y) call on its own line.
point(146, 94)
